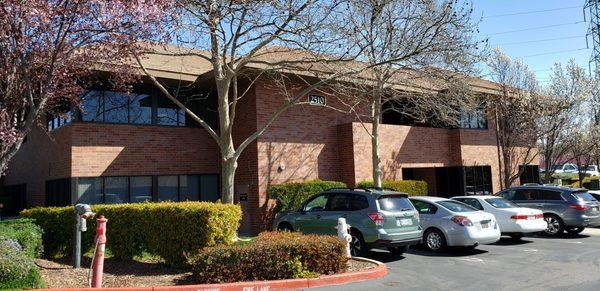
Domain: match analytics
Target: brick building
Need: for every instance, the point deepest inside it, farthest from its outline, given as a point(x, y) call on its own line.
point(141, 147)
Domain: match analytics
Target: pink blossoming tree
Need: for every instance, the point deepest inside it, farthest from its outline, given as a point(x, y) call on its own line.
point(49, 47)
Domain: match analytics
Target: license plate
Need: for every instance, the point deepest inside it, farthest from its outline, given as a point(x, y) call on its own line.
point(404, 222)
point(485, 225)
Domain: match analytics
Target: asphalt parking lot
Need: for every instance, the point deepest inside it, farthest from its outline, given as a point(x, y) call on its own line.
point(535, 263)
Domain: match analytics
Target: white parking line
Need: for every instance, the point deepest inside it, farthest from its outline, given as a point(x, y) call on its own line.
point(472, 260)
point(592, 231)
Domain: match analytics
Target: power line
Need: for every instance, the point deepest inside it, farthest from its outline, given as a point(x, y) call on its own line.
point(554, 52)
point(531, 12)
point(541, 40)
point(536, 28)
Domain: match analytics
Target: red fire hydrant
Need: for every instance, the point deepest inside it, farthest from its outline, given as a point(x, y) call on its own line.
point(98, 263)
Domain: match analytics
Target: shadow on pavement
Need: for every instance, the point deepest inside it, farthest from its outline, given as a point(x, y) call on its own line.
point(448, 252)
point(563, 236)
point(511, 242)
point(383, 256)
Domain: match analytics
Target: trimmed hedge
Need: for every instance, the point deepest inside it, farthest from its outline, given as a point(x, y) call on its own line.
point(167, 229)
point(273, 256)
point(410, 187)
point(291, 195)
point(25, 232)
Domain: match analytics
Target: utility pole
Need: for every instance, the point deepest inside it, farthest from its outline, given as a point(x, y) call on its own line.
point(593, 33)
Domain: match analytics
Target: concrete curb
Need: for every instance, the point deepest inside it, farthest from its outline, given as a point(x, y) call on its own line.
point(327, 280)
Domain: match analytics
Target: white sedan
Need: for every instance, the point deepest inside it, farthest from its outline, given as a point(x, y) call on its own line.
point(514, 221)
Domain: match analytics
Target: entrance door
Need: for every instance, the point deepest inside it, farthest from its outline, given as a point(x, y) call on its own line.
point(13, 199)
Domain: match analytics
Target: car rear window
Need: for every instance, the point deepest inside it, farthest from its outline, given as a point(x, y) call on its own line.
point(394, 203)
point(583, 196)
point(456, 206)
point(501, 203)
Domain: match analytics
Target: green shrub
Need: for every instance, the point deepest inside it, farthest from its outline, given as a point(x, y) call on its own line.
point(291, 195)
point(17, 269)
point(166, 229)
point(410, 187)
point(25, 232)
point(273, 256)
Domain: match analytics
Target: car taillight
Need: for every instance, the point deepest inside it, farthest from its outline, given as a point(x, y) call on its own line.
point(579, 207)
point(377, 218)
point(539, 216)
point(462, 220)
point(519, 216)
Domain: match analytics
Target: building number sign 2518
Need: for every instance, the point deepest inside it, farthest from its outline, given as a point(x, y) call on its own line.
point(316, 100)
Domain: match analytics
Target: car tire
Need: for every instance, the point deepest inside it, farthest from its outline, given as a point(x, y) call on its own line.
point(575, 230)
point(555, 225)
point(516, 236)
point(284, 226)
point(398, 251)
point(434, 240)
point(358, 247)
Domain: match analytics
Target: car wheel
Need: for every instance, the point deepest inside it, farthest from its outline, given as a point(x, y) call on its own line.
point(555, 225)
point(357, 245)
point(284, 226)
point(516, 236)
point(575, 230)
point(434, 240)
point(398, 250)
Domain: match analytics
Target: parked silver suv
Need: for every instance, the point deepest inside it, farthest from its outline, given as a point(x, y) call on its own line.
point(565, 209)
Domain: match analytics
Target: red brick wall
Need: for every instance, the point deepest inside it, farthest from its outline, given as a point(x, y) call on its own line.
point(44, 156)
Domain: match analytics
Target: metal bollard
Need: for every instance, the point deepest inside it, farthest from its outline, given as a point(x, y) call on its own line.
point(98, 263)
point(344, 235)
point(82, 213)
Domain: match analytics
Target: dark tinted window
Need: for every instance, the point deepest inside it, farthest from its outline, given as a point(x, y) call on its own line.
point(93, 106)
point(140, 188)
point(116, 107)
point(316, 204)
point(115, 190)
point(525, 194)
point(456, 206)
point(508, 194)
point(583, 196)
point(339, 202)
point(359, 202)
point(472, 202)
point(548, 195)
point(394, 203)
point(140, 109)
point(424, 207)
point(168, 188)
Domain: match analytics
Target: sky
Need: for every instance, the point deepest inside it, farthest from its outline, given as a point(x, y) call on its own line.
point(515, 26)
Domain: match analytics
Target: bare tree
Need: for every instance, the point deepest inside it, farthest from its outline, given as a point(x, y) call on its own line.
point(431, 42)
point(248, 40)
point(583, 149)
point(570, 86)
point(516, 113)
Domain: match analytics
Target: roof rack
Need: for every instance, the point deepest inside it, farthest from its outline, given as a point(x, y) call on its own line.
point(347, 188)
point(366, 189)
point(532, 184)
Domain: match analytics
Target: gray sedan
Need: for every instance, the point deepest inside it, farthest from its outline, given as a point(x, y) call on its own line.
point(451, 223)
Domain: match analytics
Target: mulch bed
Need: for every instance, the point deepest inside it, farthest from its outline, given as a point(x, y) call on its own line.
point(58, 273)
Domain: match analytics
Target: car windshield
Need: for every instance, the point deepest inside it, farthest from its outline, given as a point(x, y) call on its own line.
point(591, 168)
point(583, 196)
point(557, 167)
point(456, 206)
point(501, 203)
point(394, 203)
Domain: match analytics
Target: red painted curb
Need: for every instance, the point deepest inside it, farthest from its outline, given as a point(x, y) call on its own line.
point(326, 280)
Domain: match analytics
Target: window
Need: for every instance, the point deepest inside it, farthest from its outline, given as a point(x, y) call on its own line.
point(471, 202)
point(316, 204)
point(116, 107)
point(548, 195)
point(89, 191)
point(359, 202)
point(189, 188)
point(456, 206)
point(93, 106)
point(140, 189)
point(525, 194)
point(54, 122)
point(168, 188)
point(508, 194)
point(394, 203)
point(529, 174)
point(168, 113)
point(424, 207)
point(478, 180)
point(140, 109)
point(501, 203)
point(474, 119)
point(570, 167)
point(209, 188)
point(583, 196)
point(116, 190)
point(339, 202)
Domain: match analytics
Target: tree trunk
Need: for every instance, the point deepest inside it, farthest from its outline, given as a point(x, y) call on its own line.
point(228, 168)
point(375, 115)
